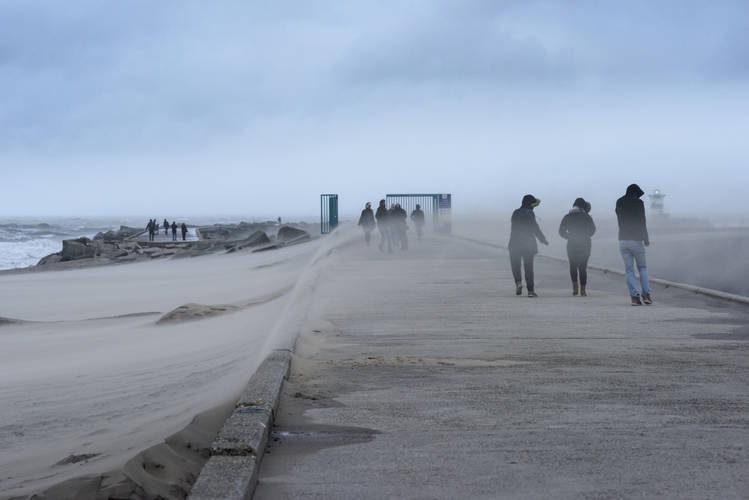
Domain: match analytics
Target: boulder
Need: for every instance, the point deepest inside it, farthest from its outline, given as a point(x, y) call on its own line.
point(123, 233)
point(290, 233)
point(52, 258)
point(255, 239)
point(81, 248)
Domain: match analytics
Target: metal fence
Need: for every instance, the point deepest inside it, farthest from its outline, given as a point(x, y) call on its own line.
point(436, 207)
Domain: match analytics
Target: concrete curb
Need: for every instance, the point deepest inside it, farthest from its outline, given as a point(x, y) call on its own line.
point(231, 471)
point(683, 286)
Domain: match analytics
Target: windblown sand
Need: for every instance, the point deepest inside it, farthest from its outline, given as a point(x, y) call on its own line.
point(118, 377)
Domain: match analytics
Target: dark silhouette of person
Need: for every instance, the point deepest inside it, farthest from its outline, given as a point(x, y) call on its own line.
point(151, 228)
point(577, 227)
point(633, 238)
point(184, 231)
point(398, 226)
point(417, 216)
point(367, 222)
point(166, 227)
point(174, 230)
point(523, 248)
point(383, 226)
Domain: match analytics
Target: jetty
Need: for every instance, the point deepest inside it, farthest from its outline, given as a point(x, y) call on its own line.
point(422, 375)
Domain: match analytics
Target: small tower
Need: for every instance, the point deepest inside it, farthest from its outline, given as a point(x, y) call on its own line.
point(656, 201)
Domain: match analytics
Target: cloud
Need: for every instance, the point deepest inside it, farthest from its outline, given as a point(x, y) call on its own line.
point(555, 43)
point(367, 97)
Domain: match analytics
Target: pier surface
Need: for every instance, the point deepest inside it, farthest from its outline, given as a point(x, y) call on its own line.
point(423, 375)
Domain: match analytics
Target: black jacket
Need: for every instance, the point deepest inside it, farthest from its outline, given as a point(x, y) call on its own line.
point(577, 227)
point(524, 230)
point(397, 217)
point(382, 216)
point(630, 213)
point(418, 217)
point(367, 219)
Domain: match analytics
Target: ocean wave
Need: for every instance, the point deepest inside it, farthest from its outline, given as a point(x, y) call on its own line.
point(24, 242)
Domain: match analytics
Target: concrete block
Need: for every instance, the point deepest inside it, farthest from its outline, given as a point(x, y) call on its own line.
point(264, 388)
point(245, 432)
point(226, 478)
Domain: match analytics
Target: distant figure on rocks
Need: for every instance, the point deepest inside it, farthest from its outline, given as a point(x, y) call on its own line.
point(577, 227)
point(417, 216)
point(383, 226)
point(633, 238)
point(174, 230)
point(524, 231)
point(166, 227)
point(398, 226)
point(151, 228)
point(367, 222)
point(184, 231)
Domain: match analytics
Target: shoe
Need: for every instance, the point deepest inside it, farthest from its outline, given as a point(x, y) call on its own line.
point(531, 293)
point(582, 291)
point(647, 299)
point(574, 288)
point(636, 301)
point(519, 288)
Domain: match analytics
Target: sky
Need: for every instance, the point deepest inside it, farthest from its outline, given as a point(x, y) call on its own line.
point(256, 108)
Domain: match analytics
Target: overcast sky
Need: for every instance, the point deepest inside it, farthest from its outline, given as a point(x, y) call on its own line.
point(255, 108)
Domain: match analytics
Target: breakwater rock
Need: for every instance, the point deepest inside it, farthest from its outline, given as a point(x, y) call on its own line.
point(130, 244)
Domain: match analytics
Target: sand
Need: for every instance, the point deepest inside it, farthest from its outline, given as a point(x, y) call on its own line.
point(117, 378)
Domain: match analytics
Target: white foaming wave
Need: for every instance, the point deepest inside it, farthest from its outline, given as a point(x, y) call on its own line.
point(23, 243)
point(26, 253)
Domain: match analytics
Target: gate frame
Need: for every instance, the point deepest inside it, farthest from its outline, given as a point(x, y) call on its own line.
point(328, 213)
point(440, 204)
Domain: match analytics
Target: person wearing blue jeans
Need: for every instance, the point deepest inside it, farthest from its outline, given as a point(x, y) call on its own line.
point(633, 238)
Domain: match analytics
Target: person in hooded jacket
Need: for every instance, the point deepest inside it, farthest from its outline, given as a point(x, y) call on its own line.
point(633, 238)
point(577, 227)
point(367, 222)
point(417, 216)
point(383, 225)
point(523, 248)
point(398, 226)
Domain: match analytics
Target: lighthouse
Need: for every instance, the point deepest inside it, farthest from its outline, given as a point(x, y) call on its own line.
point(656, 201)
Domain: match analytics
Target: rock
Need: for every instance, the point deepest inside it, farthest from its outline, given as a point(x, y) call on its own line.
point(52, 258)
point(123, 233)
point(255, 239)
point(290, 233)
point(81, 248)
point(195, 311)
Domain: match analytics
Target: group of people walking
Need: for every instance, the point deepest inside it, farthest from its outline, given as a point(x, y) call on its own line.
point(577, 227)
point(391, 224)
point(153, 229)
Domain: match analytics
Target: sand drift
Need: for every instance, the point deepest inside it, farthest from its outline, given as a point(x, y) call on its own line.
point(99, 364)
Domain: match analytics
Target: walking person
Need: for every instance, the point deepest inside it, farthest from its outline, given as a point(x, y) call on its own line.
point(577, 227)
point(151, 228)
point(367, 222)
point(417, 216)
point(398, 226)
point(633, 238)
point(184, 231)
point(523, 248)
point(174, 230)
point(166, 227)
point(383, 226)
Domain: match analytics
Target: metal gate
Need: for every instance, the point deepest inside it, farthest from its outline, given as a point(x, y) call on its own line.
point(328, 212)
point(436, 207)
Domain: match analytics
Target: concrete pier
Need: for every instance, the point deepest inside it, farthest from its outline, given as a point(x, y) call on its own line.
point(423, 375)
